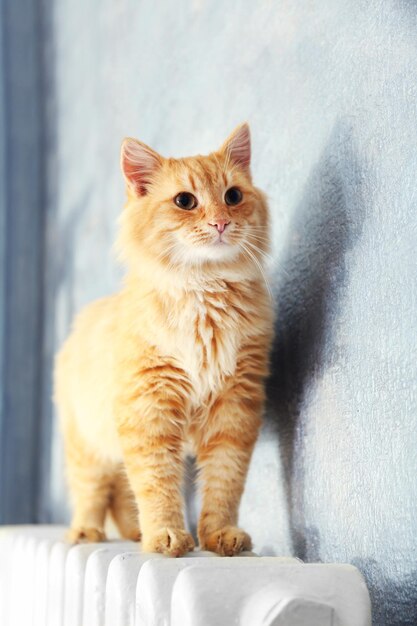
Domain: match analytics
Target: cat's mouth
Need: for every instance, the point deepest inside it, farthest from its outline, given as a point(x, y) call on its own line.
point(220, 241)
point(215, 248)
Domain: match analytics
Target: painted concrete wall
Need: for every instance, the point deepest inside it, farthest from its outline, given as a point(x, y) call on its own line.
point(329, 88)
point(21, 258)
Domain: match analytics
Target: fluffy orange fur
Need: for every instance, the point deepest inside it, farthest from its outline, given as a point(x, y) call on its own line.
point(175, 362)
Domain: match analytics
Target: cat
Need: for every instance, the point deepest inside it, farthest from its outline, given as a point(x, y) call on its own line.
point(177, 358)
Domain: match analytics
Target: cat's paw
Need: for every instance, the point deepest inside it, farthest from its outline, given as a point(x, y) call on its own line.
point(227, 541)
point(170, 541)
point(132, 535)
point(83, 534)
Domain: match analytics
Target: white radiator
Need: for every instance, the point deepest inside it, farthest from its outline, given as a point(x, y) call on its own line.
point(46, 582)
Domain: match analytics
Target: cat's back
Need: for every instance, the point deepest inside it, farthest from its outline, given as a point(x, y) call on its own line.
point(93, 324)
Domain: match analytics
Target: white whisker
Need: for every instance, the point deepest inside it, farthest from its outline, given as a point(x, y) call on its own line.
point(264, 254)
point(260, 268)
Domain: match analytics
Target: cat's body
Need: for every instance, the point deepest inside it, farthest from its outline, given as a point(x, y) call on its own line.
point(175, 362)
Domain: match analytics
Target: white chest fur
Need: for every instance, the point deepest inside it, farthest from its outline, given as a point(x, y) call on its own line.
point(208, 335)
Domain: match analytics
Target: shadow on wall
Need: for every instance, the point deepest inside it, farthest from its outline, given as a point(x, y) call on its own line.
point(394, 600)
point(326, 224)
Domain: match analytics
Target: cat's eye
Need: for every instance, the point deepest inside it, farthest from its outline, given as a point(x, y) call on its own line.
point(233, 196)
point(186, 200)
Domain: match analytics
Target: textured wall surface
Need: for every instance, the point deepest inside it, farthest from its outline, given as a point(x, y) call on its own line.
point(329, 88)
point(21, 258)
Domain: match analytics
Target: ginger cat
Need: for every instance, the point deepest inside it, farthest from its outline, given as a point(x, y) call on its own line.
point(176, 360)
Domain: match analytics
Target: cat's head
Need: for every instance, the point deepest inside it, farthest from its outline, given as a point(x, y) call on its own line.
point(195, 211)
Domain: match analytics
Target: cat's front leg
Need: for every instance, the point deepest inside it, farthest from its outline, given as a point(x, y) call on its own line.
point(151, 413)
point(224, 452)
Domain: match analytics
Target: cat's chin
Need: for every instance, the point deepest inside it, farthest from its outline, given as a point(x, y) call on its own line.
point(217, 252)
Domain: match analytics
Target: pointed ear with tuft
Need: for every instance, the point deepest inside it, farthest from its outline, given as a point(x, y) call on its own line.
point(139, 163)
point(237, 147)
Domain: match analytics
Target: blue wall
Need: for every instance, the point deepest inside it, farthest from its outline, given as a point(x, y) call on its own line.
point(329, 88)
point(22, 202)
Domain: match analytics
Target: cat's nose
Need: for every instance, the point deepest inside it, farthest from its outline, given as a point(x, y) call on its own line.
point(220, 224)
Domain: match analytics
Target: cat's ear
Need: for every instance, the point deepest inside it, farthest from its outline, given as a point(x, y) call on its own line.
point(237, 146)
point(139, 164)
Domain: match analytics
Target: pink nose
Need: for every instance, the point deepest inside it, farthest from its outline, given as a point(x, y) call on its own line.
point(220, 224)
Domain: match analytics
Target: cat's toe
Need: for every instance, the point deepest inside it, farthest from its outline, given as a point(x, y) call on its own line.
point(227, 541)
point(132, 535)
point(82, 534)
point(170, 541)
